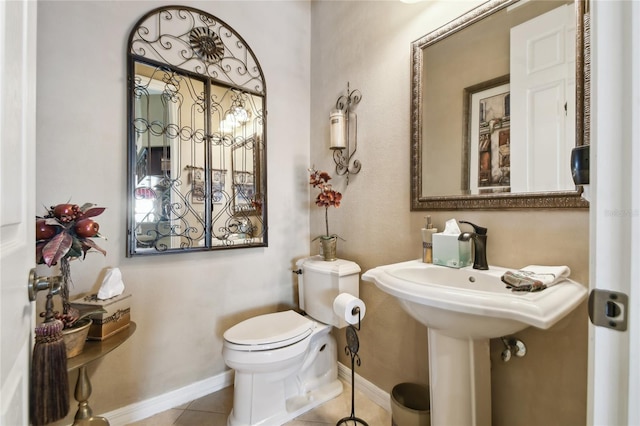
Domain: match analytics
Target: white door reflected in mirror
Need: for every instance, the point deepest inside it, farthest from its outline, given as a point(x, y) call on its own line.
point(543, 101)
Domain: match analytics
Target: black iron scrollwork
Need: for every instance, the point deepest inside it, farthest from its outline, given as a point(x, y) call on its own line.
point(353, 345)
point(196, 135)
point(342, 157)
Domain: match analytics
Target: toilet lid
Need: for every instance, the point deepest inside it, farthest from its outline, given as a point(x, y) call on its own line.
point(270, 331)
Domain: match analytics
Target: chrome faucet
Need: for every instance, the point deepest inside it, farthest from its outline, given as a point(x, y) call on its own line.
point(479, 237)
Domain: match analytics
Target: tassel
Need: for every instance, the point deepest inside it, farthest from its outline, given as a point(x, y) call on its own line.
point(49, 393)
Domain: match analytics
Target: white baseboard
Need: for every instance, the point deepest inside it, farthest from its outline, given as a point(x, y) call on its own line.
point(143, 409)
point(370, 390)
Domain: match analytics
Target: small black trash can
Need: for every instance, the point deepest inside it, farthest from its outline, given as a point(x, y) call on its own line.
point(410, 405)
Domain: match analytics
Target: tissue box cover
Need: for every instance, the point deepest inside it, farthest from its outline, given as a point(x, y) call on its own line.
point(448, 251)
point(117, 317)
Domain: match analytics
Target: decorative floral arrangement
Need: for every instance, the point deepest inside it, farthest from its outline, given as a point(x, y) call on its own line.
point(63, 234)
point(327, 197)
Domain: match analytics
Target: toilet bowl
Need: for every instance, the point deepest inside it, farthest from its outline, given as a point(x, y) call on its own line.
point(286, 362)
point(274, 378)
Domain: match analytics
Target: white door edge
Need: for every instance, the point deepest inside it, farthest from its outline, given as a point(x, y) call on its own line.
point(614, 377)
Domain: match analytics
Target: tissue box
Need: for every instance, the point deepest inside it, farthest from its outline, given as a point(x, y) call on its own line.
point(117, 317)
point(448, 251)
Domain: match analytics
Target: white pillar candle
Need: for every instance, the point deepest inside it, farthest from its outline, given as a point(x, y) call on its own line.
point(338, 130)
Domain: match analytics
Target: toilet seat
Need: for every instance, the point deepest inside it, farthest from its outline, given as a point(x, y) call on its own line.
point(268, 331)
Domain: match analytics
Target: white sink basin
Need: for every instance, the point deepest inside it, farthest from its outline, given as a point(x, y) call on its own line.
point(468, 303)
point(463, 309)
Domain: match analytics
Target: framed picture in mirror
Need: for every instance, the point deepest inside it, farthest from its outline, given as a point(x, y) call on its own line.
point(197, 186)
point(489, 145)
point(218, 188)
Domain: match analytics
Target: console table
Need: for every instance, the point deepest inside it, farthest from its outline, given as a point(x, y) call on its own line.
point(93, 350)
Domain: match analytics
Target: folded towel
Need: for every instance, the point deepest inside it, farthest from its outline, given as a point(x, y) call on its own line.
point(535, 277)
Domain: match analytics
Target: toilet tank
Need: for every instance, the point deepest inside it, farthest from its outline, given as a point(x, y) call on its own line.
point(321, 282)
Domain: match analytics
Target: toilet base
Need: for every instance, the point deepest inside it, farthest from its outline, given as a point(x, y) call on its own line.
point(297, 405)
point(272, 394)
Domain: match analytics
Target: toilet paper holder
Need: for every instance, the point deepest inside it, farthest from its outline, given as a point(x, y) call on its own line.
point(352, 348)
point(356, 311)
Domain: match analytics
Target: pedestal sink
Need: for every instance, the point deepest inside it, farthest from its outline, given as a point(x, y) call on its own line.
point(463, 309)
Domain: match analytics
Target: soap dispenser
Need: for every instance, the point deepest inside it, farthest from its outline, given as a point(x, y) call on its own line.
point(427, 241)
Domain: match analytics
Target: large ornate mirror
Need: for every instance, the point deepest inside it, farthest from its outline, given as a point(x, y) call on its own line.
point(196, 137)
point(498, 101)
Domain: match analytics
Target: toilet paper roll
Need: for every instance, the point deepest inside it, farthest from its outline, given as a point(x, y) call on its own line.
point(344, 305)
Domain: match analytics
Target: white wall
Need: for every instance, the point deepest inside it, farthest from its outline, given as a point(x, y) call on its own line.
point(181, 303)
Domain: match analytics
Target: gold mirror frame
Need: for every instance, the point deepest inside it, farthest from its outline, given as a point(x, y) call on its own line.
point(537, 200)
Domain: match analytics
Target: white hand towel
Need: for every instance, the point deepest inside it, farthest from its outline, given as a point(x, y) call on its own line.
point(535, 277)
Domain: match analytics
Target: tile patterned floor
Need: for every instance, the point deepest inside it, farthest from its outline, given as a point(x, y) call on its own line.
point(213, 409)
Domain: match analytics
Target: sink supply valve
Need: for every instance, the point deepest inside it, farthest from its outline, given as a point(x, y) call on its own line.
point(513, 346)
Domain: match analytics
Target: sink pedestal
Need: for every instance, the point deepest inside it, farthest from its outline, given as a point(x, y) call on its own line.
point(459, 380)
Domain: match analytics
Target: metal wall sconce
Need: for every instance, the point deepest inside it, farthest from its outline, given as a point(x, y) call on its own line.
point(344, 133)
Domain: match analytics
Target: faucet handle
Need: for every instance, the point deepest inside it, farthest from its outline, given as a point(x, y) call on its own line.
point(477, 229)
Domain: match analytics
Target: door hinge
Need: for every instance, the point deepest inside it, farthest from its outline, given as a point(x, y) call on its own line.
point(608, 309)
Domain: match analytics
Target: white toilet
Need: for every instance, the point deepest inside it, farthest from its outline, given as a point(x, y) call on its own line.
point(286, 363)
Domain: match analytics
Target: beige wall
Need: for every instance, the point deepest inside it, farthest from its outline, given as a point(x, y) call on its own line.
point(368, 45)
point(183, 303)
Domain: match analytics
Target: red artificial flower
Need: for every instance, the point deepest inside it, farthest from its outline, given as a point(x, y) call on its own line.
point(328, 197)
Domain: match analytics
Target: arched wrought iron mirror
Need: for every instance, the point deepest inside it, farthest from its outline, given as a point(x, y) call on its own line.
point(196, 136)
